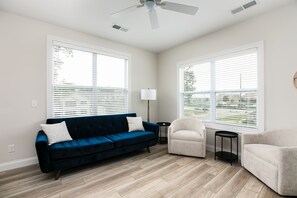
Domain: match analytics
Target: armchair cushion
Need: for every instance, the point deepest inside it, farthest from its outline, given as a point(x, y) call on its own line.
point(268, 153)
point(187, 135)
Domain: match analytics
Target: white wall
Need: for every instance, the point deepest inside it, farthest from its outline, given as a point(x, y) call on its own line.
point(23, 59)
point(278, 30)
point(23, 73)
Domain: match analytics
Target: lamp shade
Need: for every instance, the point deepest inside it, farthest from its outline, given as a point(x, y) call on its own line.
point(148, 94)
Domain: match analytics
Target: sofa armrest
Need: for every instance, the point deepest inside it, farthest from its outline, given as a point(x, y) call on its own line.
point(42, 149)
point(287, 171)
point(148, 126)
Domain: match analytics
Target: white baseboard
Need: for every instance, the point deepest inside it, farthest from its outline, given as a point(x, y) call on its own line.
point(210, 148)
point(33, 160)
point(18, 163)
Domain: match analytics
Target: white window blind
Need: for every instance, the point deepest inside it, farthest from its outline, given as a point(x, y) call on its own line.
point(87, 83)
point(236, 89)
point(223, 89)
point(197, 87)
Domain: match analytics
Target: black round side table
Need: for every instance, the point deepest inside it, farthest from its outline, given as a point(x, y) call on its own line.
point(224, 155)
point(163, 132)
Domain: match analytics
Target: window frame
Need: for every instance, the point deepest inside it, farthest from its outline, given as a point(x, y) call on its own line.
point(217, 56)
point(53, 40)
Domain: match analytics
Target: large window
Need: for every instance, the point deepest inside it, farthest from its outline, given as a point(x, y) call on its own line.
point(223, 89)
point(86, 82)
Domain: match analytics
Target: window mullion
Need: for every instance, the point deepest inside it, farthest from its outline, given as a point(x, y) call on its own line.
point(94, 85)
point(182, 92)
point(212, 92)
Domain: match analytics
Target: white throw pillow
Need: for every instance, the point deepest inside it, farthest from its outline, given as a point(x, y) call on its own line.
point(135, 124)
point(56, 132)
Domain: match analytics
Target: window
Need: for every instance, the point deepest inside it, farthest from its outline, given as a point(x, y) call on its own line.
point(86, 82)
point(224, 90)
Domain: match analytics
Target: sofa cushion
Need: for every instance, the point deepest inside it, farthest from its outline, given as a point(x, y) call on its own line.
point(80, 147)
point(187, 135)
point(129, 138)
point(268, 153)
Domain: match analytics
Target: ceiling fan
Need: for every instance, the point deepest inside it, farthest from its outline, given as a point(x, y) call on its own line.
point(150, 5)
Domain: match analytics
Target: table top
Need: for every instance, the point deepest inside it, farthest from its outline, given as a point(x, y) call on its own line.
point(164, 123)
point(228, 134)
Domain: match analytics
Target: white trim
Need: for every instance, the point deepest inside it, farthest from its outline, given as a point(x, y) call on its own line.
point(218, 54)
point(18, 163)
point(87, 47)
point(260, 90)
point(49, 102)
point(51, 40)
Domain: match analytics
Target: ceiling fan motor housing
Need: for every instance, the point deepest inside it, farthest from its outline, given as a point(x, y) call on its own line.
point(150, 4)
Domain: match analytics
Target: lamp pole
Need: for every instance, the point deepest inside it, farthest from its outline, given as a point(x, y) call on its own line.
point(148, 110)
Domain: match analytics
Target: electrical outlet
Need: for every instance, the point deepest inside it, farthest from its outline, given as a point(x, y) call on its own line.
point(11, 148)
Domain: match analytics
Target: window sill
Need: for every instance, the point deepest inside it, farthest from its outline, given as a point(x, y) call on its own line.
point(237, 129)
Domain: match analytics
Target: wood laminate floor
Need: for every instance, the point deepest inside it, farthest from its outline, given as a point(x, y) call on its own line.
point(139, 174)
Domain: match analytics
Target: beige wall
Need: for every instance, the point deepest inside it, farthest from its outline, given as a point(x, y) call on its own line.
point(278, 30)
point(23, 59)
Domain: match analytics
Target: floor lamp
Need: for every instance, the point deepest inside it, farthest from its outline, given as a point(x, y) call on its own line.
point(148, 94)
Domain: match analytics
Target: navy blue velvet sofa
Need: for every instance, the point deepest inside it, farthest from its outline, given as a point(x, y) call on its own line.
point(94, 138)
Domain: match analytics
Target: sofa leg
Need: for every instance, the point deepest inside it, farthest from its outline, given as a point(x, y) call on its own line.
point(57, 174)
point(148, 149)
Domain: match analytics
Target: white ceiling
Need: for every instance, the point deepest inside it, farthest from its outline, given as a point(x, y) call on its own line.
point(93, 17)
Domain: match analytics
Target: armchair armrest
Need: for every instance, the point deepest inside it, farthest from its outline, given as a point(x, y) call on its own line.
point(42, 149)
point(148, 126)
point(280, 138)
point(255, 138)
point(252, 138)
point(287, 171)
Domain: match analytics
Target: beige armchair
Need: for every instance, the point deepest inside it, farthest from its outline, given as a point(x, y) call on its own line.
point(187, 136)
point(272, 157)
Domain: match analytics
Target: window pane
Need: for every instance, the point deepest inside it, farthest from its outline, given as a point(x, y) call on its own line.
point(70, 101)
point(83, 88)
point(72, 67)
point(197, 78)
point(238, 72)
point(197, 105)
point(112, 101)
point(111, 72)
point(238, 108)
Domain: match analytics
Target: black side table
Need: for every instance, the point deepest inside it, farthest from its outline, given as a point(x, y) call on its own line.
point(224, 155)
point(163, 130)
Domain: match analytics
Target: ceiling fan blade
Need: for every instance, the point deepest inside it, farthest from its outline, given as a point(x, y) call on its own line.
point(125, 11)
point(176, 7)
point(153, 18)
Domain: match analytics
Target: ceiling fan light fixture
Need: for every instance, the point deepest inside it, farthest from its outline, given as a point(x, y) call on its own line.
point(150, 4)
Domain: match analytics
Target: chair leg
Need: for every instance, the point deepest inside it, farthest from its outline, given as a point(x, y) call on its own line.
point(57, 174)
point(148, 149)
